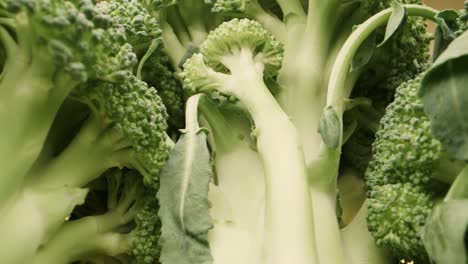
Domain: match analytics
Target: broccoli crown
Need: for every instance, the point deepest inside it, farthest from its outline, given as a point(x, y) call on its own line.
point(404, 150)
point(398, 177)
point(396, 213)
point(224, 48)
point(143, 33)
point(78, 36)
point(236, 34)
point(137, 114)
point(141, 29)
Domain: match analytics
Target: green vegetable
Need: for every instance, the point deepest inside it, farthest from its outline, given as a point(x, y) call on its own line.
point(232, 131)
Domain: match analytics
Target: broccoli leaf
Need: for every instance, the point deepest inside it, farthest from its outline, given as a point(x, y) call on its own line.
point(445, 95)
point(396, 21)
point(184, 205)
point(445, 231)
point(329, 128)
point(446, 31)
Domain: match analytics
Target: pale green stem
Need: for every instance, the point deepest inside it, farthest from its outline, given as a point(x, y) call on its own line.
point(32, 218)
point(191, 114)
point(193, 16)
point(292, 10)
point(270, 22)
point(222, 132)
point(176, 21)
point(174, 49)
point(152, 48)
point(339, 89)
point(92, 151)
point(80, 238)
point(289, 228)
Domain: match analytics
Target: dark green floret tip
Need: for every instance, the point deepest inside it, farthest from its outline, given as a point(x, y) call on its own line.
point(396, 214)
point(405, 149)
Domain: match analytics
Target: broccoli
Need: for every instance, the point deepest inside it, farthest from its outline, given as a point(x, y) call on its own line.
point(57, 53)
point(232, 131)
point(403, 177)
point(241, 50)
point(144, 34)
point(274, 61)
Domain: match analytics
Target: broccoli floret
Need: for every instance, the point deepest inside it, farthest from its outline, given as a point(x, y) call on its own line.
point(396, 213)
point(405, 150)
point(144, 34)
point(402, 174)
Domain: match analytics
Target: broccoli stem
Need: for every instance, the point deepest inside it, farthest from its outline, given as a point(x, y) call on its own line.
point(193, 16)
point(173, 47)
point(302, 80)
point(324, 170)
point(293, 10)
point(238, 170)
point(321, 13)
point(339, 88)
point(32, 218)
point(25, 131)
point(221, 131)
point(270, 22)
point(175, 20)
point(93, 150)
point(87, 236)
point(289, 225)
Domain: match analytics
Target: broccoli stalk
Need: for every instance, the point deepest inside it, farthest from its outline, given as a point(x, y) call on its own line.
point(33, 217)
point(250, 54)
point(125, 228)
point(43, 65)
point(237, 170)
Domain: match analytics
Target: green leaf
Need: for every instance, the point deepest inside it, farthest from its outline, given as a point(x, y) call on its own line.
point(329, 128)
point(445, 231)
point(396, 21)
point(184, 205)
point(364, 53)
point(446, 31)
point(444, 92)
